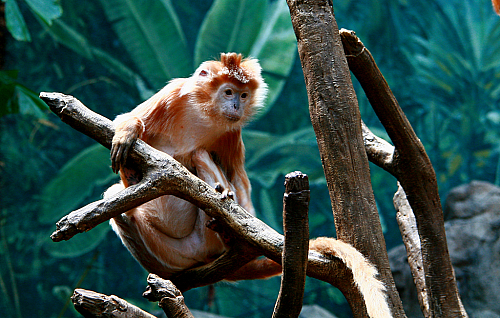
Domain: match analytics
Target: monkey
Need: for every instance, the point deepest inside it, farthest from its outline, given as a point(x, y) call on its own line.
point(198, 121)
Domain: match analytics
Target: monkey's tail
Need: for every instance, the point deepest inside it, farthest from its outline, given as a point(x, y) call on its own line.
point(364, 274)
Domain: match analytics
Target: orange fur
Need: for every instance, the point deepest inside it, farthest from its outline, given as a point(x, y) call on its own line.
point(198, 121)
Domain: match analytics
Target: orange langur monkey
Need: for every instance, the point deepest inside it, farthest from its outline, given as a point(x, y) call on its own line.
point(198, 121)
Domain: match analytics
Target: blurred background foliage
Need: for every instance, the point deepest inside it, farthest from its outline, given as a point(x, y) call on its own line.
point(440, 57)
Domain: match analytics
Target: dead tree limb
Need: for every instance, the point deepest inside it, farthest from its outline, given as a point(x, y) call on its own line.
point(163, 175)
point(381, 153)
point(337, 123)
point(408, 227)
point(296, 229)
point(414, 170)
point(167, 295)
point(92, 304)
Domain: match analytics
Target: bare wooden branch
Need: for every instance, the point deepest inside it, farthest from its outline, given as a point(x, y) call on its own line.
point(408, 227)
point(414, 170)
point(337, 123)
point(167, 295)
point(92, 304)
point(296, 229)
point(163, 175)
point(379, 151)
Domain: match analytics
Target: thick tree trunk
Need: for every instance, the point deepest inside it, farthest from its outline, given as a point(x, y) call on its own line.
point(336, 120)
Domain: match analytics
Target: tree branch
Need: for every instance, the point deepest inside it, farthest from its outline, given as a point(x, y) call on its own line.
point(92, 304)
point(296, 229)
point(412, 167)
point(163, 175)
point(167, 295)
point(408, 227)
point(379, 151)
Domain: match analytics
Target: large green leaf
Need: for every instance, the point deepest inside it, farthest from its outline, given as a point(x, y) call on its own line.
point(16, 98)
point(15, 21)
point(275, 48)
point(229, 26)
point(47, 10)
point(78, 245)
point(72, 39)
point(151, 33)
point(270, 156)
point(69, 37)
point(116, 67)
point(29, 103)
point(74, 183)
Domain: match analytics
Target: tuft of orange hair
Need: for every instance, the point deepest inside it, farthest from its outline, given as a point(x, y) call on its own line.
point(496, 6)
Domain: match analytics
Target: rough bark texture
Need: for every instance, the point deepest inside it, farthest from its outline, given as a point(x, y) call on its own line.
point(413, 169)
point(408, 227)
point(91, 304)
point(296, 229)
point(336, 120)
point(169, 298)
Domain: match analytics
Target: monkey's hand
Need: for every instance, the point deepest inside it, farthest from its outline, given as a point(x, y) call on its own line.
point(126, 133)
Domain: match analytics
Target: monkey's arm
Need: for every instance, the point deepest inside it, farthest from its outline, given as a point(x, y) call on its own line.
point(141, 122)
point(128, 129)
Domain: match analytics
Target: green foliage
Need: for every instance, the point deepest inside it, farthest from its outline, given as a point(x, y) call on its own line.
point(270, 156)
point(46, 10)
point(151, 34)
point(74, 183)
point(71, 188)
point(15, 21)
point(457, 71)
point(225, 28)
point(15, 98)
point(79, 245)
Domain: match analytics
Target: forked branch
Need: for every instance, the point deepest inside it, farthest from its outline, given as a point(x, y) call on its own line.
point(409, 163)
point(163, 175)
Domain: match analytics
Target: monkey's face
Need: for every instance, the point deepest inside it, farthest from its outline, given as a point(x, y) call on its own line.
point(232, 101)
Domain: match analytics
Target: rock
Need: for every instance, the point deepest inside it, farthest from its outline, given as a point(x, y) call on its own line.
point(471, 199)
point(315, 311)
point(472, 214)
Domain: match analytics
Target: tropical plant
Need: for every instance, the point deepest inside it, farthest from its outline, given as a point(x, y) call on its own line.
point(456, 85)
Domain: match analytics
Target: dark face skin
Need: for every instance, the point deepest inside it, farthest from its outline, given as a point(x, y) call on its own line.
point(233, 100)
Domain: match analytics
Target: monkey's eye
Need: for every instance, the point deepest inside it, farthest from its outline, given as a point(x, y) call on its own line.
point(203, 73)
point(228, 92)
point(244, 95)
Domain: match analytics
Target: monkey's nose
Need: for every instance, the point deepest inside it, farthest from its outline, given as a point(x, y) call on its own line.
point(236, 104)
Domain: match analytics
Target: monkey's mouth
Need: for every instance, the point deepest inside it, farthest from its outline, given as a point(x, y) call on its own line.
point(233, 117)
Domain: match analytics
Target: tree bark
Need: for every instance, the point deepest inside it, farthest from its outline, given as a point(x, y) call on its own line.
point(92, 304)
point(408, 227)
point(296, 245)
point(414, 170)
point(337, 123)
point(167, 295)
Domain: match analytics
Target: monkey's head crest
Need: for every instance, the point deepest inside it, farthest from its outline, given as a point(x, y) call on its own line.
point(231, 67)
